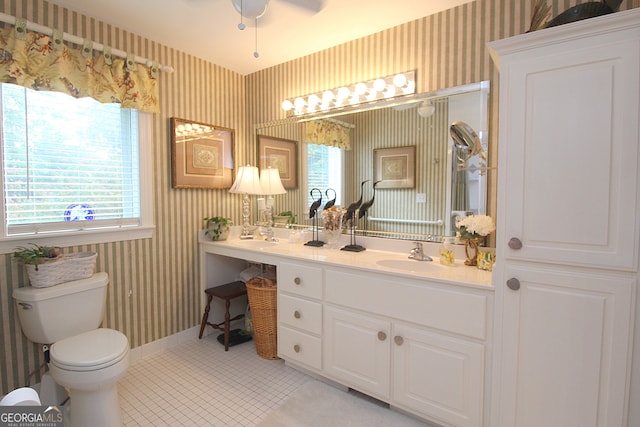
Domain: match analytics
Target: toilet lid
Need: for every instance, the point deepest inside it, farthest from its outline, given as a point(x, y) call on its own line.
point(90, 351)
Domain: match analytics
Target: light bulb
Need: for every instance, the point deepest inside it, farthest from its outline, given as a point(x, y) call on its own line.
point(343, 93)
point(287, 105)
point(399, 80)
point(379, 85)
point(313, 100)
point(327, 96)
point(390, 91)
point(299, 103)
point(361, 88)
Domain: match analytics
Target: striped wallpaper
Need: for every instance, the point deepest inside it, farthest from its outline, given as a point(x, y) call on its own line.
point(154, 291)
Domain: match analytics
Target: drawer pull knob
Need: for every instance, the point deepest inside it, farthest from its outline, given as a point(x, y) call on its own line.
point(382, 336)
point(296, 314)
point(398, 340)
point(297, 280)
point(515, 243)
point(513, 284)
point(296, 348)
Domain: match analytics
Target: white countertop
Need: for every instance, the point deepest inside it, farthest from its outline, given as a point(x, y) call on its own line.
point(378, 252)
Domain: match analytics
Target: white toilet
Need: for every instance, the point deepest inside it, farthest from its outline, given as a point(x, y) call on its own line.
point(83, 358)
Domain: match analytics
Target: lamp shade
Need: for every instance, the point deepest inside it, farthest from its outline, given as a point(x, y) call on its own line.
point(270, 181)
point(247, 181)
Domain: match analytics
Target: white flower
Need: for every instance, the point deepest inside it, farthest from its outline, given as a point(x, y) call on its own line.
point(476, 226)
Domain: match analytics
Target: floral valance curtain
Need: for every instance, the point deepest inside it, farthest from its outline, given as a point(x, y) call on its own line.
point(43, 62)
point(324, 132)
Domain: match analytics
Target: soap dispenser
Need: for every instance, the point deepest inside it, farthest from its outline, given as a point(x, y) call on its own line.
point(446, 251)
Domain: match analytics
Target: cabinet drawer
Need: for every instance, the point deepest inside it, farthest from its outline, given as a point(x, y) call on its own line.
point(440, 307)
point(300, 279)
point(300, 313)
point(299, 347)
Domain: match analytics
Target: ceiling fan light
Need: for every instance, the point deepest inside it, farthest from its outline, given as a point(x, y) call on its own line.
point(251, 9)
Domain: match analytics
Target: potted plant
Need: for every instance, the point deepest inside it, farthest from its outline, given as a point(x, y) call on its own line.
point(217, 227)
point(286, 217)
point(36, 254)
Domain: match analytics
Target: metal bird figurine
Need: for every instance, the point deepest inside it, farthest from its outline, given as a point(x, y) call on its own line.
point(315, 205)
point(364, 207)
point(353, 207)
point(313, 209)
point(331, 202)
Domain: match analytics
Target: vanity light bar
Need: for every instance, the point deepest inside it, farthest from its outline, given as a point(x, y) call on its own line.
point(358, 93)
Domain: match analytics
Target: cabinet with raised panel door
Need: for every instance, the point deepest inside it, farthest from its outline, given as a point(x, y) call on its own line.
point(568, 230)
point(416, 345)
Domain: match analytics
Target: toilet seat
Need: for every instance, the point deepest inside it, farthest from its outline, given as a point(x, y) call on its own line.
point(90, 351)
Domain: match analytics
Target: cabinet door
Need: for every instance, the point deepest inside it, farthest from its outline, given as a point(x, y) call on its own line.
point(356, 350)
point(564, 350)
point(438, 375)
point(568, 153)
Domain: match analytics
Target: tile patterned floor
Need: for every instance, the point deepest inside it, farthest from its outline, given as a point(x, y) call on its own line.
point(197, 383)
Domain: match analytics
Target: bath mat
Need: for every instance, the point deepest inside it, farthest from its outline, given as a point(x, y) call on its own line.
point(316, 404)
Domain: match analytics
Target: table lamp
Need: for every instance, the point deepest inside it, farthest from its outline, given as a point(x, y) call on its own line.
point(247, 182)
point(271, 185)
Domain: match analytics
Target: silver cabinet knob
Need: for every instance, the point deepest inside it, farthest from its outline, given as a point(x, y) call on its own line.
point(513, 284)
point(296, 348)
point(515, 243)
point(296, 314)
point(398, 340)
point(382, 336)
point(297, 281)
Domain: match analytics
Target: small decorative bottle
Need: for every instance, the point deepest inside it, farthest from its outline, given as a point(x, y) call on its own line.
point(446, 251)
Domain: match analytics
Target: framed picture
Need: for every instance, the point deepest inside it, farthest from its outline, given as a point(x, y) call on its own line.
point(201, 155)
point(395, 167)
point(282, 154)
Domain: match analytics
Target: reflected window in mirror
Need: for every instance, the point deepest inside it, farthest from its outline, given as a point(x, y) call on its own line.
point(325, 170)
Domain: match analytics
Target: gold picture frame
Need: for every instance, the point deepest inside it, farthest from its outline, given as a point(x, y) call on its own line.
point(395, 167)
point(282, 154)
point(201, 155)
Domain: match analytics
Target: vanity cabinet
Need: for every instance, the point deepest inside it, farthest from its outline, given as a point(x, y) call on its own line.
point(568, 225)
point(300, 313)
point(411, 343)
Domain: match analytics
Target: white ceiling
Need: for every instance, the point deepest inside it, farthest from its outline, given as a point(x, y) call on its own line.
point(208, 29)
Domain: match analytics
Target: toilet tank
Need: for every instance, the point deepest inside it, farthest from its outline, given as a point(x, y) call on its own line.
point(50, 314)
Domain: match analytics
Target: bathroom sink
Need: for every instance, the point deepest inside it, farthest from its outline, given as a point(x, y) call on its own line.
point(410, 265)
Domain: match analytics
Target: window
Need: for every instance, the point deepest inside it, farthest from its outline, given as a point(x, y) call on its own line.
point(324, 170)
point(71, 167)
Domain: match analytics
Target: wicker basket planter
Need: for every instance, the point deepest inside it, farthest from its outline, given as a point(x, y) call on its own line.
point(262, 295)
point(64, 268)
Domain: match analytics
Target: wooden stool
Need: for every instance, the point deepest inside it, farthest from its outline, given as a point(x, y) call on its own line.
point(227, 293)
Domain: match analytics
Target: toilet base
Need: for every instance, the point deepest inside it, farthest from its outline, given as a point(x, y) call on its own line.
point(51, 393)
point(99, 408)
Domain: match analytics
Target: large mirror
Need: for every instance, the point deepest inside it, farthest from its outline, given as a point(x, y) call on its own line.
point(428, 178)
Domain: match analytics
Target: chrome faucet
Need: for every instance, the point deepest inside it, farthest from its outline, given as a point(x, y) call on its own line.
point(417, 253)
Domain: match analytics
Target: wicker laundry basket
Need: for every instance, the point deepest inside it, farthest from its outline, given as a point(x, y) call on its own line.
point(262, 297)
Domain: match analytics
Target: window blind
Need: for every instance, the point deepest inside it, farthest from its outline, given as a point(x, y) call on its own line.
point(68, 163)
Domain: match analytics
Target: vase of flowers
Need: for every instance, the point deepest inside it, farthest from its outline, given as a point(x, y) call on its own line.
point(473, 229)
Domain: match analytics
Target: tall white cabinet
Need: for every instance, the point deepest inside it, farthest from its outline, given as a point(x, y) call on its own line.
point(568, 224)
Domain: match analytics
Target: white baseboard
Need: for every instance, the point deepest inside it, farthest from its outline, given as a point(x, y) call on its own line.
point(163, 343)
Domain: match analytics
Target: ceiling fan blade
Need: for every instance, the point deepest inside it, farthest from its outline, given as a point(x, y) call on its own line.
point(313, 6)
